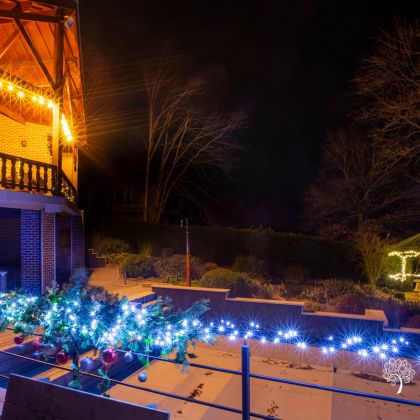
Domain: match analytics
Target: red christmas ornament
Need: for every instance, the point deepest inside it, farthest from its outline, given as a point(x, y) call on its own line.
point(109, 355)
point(62, 357)
point(19, 339)
point(36, 344)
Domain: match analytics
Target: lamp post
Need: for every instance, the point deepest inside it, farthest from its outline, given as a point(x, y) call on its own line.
point(187, 253)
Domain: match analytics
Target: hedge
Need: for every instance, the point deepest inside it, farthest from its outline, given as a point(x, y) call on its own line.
point(319, 257)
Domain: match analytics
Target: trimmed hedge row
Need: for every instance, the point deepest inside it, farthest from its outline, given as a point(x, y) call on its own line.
point(280, 251)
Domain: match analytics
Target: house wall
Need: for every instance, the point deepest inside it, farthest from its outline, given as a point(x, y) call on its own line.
point(77, 243)
point(9, 236)
point(30, 221)
point(48, 250)
point(36, 136)
point(63, 248)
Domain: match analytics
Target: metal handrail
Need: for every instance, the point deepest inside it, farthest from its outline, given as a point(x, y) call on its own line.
point(334, 389)
point(246, 376)
point(141, 388)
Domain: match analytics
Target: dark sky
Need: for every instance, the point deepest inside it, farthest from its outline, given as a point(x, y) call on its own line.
point(287, 64)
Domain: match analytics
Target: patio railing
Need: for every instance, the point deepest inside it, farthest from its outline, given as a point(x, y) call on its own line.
point(23, 174)
point(244, 373)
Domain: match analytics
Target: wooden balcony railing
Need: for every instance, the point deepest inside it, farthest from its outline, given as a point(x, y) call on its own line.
point(18, 173)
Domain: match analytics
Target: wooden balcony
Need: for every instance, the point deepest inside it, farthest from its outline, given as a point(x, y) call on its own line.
point(22, 174)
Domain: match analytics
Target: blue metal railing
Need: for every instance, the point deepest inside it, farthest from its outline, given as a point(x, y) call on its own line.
point(245, 374)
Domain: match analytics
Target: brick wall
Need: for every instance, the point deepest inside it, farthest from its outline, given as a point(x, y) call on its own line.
point(30, 235)
point(63, 248)
point(13, 133)
point(77, 243)
point(48, 250)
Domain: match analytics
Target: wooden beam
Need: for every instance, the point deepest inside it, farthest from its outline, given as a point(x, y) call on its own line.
point(67, 4)
point(17, 14)
point(8, 42)
point(12, 114)
point(35, 53)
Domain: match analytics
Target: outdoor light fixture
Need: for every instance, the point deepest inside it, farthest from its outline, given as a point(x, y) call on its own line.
point(22, 93)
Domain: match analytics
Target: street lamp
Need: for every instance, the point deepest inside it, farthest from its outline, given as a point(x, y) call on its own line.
point(187, 252)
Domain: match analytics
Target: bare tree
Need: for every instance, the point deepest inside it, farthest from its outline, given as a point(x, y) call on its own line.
point(362, 194)
point(184, 142)
point(360, 181)
point(388, 86)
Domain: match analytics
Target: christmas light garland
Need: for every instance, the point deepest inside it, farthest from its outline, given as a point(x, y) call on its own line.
point(404, 255)
point(76, 320)
point(23, 93)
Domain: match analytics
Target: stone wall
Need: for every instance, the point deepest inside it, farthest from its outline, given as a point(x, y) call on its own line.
point(274, 313)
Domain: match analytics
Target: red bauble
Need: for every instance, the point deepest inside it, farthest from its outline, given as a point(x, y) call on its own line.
point(109, 355)
point(36, 344)
point(62, 357)
point(19, 339)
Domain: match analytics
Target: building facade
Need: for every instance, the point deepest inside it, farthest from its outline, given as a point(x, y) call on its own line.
point(42, 126)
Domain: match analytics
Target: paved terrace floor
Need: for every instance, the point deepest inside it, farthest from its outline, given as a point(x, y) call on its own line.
point(110, 279)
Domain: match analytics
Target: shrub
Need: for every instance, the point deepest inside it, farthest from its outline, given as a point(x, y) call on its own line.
point(319, 257)
point(316, 294)
point(116, 258)
point(106, 245)
point(350, 303)
point(250, 264)
point(399, 295)
point(326, 291)
point(295, 274)
point(174, 266)
point(222, 278)
point(135, 265)
point(401, 286)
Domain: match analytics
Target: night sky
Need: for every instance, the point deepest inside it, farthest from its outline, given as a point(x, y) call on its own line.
point(287, 64)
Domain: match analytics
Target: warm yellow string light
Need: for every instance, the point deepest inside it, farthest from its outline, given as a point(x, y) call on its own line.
point(66, 129)
point(404, 256)
point(21, 93)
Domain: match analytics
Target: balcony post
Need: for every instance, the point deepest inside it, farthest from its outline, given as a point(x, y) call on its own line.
point(57, 148)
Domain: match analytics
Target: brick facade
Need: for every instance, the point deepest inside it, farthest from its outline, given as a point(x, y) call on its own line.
point(42, 248)
point(28, 140)
point(30, 257)
point(77, 243)
point(63, 248)
point(37, 256)
point(48, 250)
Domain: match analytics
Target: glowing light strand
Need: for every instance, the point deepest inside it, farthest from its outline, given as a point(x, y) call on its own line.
point(22, 93)
point(404, 255)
